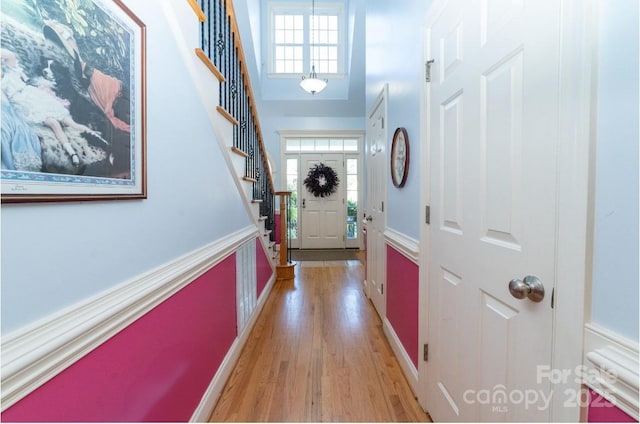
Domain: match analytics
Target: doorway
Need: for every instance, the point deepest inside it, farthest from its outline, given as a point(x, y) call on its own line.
point(321, 217)
point(500, 243)
point(328, 221)
point(376, 195)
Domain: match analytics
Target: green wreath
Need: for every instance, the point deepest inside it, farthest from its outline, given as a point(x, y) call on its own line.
point(321, 180)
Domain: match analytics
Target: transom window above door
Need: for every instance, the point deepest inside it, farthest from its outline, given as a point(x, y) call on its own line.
point(294, 46)
point(321, 145)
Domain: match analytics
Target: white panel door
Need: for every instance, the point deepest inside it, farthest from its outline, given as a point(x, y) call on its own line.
point(323, 221)
point(493, 116)
point(377, 177)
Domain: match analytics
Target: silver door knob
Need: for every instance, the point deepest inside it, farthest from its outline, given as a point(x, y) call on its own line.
point(530, 287)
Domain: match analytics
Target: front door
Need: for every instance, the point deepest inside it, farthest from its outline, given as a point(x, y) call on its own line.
point(322, 221)
point(493, 118)
point(377, 178)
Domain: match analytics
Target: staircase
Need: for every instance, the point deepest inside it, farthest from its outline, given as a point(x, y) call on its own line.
point(248, 185)
point(221, 52)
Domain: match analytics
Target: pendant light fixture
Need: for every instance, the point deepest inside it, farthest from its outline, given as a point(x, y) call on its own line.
point(312, 84)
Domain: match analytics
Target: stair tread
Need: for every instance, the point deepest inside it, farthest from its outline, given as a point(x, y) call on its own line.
point(239, 152)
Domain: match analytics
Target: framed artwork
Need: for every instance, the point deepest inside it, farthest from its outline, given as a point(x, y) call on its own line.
point(73, 101)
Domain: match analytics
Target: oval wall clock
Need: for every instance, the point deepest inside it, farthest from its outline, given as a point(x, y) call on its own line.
point(399, 157)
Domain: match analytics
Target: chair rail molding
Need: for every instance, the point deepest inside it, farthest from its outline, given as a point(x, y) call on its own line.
point(611, 365)
point(404, 244)
point(33, 355)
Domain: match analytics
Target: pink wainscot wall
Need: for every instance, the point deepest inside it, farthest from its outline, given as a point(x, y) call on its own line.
point(277, 228)
point(402, 300)
point(263, 268)
point(603, 411)
point(157, 369)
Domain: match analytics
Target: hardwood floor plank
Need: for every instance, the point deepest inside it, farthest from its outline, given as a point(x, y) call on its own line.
point(318, 354)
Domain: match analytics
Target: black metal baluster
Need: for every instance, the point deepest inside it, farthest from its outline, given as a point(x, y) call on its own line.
point(223, 48)
point(226, 58)
point(225, 54)
point(255, 163)
point(220, 46)
point(243, 116)
point(229, 61)
point(249, 163)
point(260, 181)
point(235, 91)
point(272, 213)
point(204, 28)
point(205, 33)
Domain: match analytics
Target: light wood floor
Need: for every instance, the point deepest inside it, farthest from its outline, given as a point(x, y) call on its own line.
point(318, 354)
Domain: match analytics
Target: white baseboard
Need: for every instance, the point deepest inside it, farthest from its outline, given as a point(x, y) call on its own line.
point(612, 365)
point(409, 370)
point(211, 396)
point(33, 355)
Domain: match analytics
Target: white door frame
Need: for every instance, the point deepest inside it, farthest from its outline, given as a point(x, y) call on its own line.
point(351, 134)
point(425, 199)
point(578, 49)
point(377, 297)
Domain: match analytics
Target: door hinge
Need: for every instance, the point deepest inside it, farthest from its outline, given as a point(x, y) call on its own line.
point(427, 70)
point(425, 352)
point(382, 288)
point(553, 297)
point(427, 214)
point(381, 206)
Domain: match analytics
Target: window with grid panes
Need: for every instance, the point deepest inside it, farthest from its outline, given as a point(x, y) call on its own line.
point(324, 54)
point(352, 198)
point(288, 43)
point(292, 186)
point(292, 39)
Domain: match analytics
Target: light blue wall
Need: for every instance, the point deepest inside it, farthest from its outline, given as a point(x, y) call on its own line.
point(272, 124)
point(394, 56)
point(249, 18)
point(54, 255)
point(615, 267)
point(284, 89)
point(282, 104)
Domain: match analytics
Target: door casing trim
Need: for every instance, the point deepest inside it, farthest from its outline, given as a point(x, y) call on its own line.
point(359, 134)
